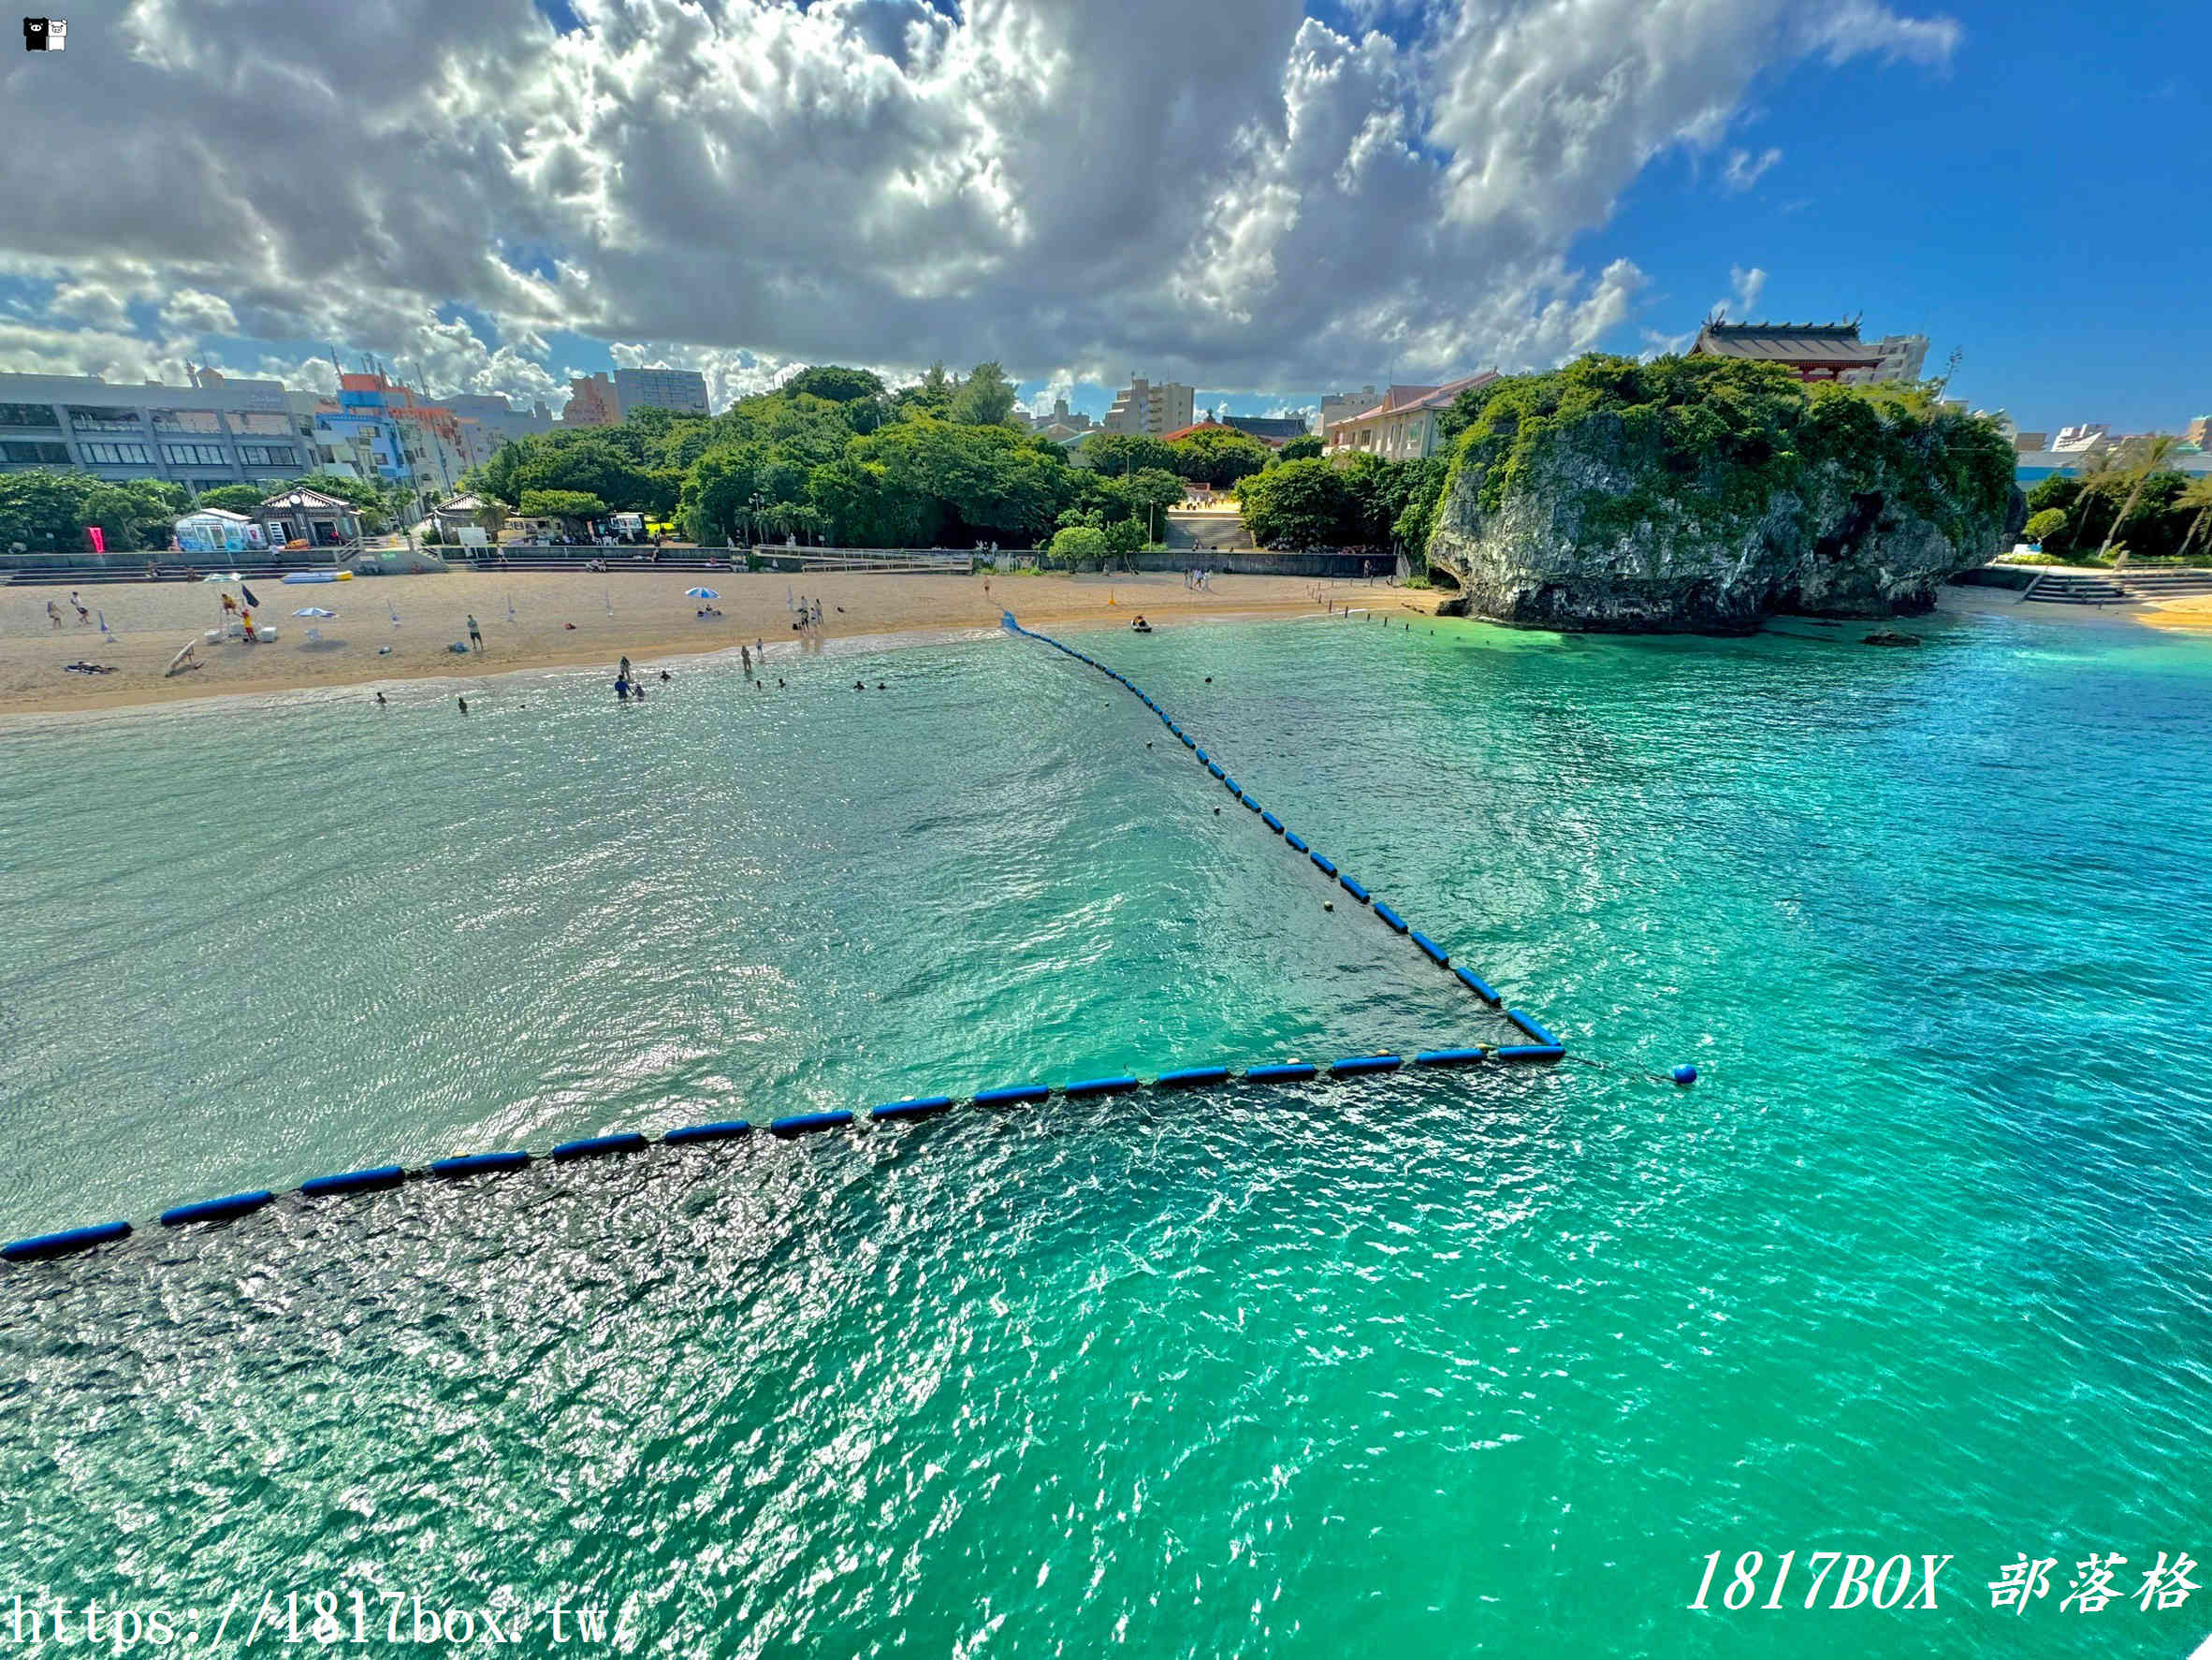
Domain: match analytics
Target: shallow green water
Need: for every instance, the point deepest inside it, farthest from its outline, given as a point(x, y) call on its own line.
point(1423, 1367)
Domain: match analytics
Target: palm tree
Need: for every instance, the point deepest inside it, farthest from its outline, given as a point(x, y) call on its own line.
point(2145, 456)
point(2197, 494)
point(2098, 474)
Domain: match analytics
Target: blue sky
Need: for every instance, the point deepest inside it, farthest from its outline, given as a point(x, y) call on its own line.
point(2043, 207)
point(1268, 208)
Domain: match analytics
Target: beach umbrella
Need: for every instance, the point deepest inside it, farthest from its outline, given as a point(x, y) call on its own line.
point(701, 593)
point(215, 576)
point(315, 611)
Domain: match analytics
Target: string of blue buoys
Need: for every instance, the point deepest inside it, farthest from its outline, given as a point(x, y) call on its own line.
point(1543, 1046)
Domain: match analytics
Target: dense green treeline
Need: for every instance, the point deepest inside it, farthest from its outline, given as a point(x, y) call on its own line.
point(2122, 505)
point(835, 456)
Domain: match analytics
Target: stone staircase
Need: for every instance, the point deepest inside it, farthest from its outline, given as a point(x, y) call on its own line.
point(1188, 530)
point(2166, 585)
point(2116, 587)
point(2068, 588)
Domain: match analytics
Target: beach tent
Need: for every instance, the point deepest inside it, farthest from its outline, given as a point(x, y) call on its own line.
point(210, 530)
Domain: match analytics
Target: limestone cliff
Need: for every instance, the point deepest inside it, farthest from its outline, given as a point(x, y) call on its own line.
point(1695, 494)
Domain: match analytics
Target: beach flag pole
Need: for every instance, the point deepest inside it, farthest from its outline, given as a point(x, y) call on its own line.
point(609, 594)
point(509, 605)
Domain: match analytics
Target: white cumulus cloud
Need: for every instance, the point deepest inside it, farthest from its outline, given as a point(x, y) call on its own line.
point(1235, 193)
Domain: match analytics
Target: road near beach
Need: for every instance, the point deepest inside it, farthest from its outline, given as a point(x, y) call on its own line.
point(561, 619)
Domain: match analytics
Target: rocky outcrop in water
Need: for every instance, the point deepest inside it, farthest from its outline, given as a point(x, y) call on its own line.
point(1695, 494)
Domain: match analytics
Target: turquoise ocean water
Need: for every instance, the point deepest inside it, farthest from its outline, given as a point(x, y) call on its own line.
point(1487, 1361)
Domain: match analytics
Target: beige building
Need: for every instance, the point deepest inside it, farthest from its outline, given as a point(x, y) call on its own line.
point(591, 402)
point(1402, 427)
point(2199, 431)
point(1143, 407)
point(1343, 406)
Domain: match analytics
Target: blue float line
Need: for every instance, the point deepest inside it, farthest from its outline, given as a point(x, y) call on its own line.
point(800, 1123)
point(1545, 1048)
point(921, 1107)
point(355, 1181)
point(216, 1210)
point(470, 1164)
point(1358, 890)
point(720, 1130)
point(71, 1241)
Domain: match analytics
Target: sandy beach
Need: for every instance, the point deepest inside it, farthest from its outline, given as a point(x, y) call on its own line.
point(561, 618)
point(575, 618)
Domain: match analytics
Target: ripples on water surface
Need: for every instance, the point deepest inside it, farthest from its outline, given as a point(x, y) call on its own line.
point(1430, 1366)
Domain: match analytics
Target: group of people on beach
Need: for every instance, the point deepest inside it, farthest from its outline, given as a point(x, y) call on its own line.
point(54, 612)
point(1196, 578)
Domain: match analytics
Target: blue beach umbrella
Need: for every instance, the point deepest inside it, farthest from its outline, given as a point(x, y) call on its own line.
point(701, 593)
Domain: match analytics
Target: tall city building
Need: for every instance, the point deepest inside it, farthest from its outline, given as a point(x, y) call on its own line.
point(1143, 407)
point(681, 389)
point(213, 431)
point(2199, 431)
point(489, 422)
point(591, 402)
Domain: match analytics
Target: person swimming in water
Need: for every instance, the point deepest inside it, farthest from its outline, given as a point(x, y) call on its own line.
point(464, 704)
point(379, 703)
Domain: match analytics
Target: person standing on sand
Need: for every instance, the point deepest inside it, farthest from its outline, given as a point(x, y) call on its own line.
point(53, 612)
point(476, 635)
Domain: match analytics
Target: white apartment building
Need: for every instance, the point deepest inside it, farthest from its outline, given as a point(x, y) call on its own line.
point(2088, 435)
point(1143, 407)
